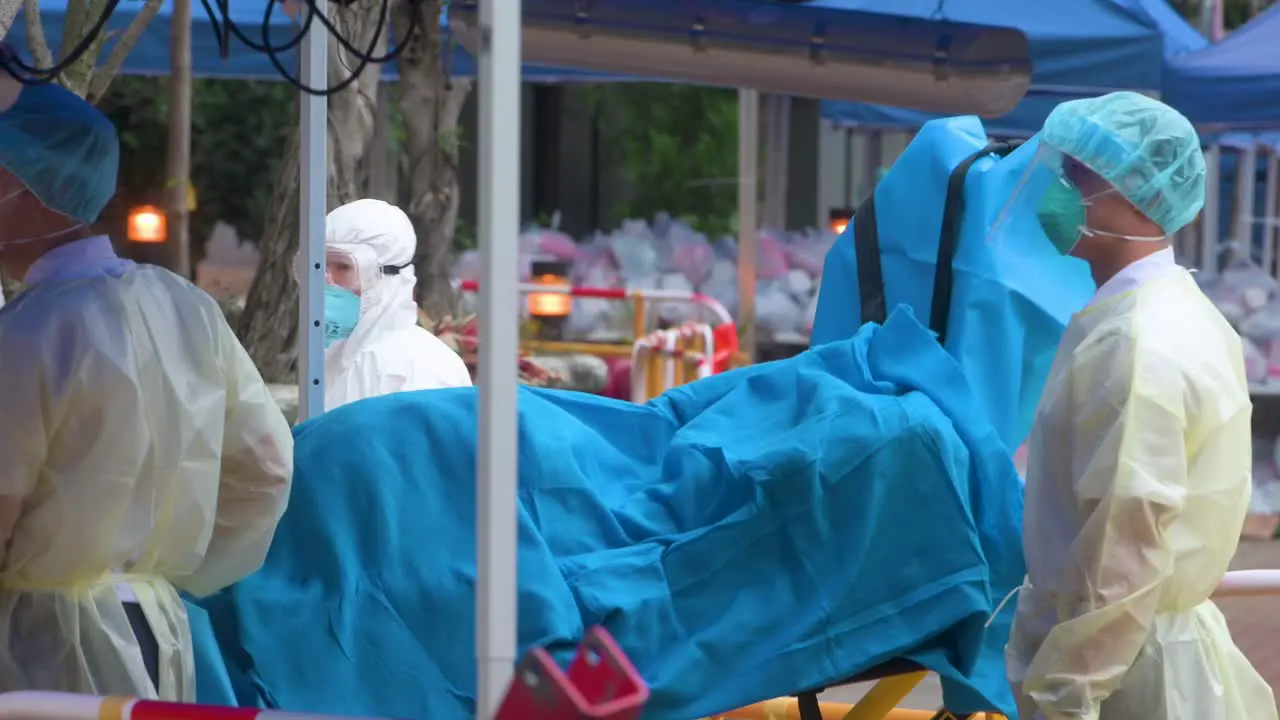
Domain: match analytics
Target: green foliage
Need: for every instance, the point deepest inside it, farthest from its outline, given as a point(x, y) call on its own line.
point(238, 135)
point(678, 145)
point(465, 236)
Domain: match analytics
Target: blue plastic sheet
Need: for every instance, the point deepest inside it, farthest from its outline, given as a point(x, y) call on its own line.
point(1011, 300)
point(1232, 84)
point(750, 535)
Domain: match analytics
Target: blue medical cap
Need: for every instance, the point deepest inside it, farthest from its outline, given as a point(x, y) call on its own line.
point(64, 150)
point(1144, 148)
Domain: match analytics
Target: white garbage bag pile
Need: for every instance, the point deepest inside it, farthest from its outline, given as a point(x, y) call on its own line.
point(668, 254)
point(1250, 300)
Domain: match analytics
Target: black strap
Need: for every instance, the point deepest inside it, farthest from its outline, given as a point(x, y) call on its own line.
point(949, 237)
point(866, 239)
point(946, 715)
point(866, 242)
point(809, 709)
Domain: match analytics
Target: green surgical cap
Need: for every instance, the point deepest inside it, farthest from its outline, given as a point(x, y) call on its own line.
point(1144, 148)
point(64, 150)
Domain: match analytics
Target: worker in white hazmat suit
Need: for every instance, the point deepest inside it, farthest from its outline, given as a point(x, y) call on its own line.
point(1138, 475)
point(373, 342)
point(140, 452)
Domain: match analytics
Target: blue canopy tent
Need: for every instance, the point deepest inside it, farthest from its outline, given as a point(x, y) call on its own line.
point(151, 54)
point(1079, 48)
point(1233, 84)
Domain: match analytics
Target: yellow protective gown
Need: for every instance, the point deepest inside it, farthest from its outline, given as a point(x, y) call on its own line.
point(1137, 486)
point(140, 454)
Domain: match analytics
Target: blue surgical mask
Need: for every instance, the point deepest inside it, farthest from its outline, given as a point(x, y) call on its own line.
point(341, 313)
point(1061, 213)
point(22, 241)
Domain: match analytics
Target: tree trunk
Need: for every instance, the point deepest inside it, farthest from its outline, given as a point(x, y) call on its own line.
point(85, 77)
point(8, 13)
point(431, 103)
point(269, 325)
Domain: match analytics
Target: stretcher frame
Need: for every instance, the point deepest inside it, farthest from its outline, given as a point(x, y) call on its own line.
point(894, 681)
point(897, 678)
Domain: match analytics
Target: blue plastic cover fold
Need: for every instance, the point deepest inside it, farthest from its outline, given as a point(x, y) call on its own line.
point(1010, 302)
point(747, 536)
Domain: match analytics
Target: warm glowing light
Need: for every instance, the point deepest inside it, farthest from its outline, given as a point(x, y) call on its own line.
point(550, 305)
point(147, 224)
point(840, 220)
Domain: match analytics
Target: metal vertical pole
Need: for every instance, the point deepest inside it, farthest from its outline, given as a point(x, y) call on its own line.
point(850, 199)
point(777, 159)
point(1209, 215)
point(748, 206)
point(1270, 208)
point(312, 195)
point(178, 151)
point(1246, 189)
point(499, 180)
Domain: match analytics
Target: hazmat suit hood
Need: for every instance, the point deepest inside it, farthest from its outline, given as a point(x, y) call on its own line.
point(387, 350)
point(381, 239)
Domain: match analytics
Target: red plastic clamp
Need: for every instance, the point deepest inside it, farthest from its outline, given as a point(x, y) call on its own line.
point(601, 684)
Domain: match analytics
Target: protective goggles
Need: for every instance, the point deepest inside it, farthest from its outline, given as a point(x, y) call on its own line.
point(351, 267)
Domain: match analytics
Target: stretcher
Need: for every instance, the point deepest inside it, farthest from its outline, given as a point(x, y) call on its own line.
point(600, 684)
point(896, 679)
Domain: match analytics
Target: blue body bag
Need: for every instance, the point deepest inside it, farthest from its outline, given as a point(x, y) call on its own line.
point(922, 239)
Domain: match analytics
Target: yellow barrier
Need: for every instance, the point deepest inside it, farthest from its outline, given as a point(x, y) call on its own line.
point(880, 703)
point(670, 358)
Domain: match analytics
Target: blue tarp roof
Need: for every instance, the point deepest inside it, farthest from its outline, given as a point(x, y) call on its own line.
point(1079, 47)
point(151, 55)
point(1235, 83)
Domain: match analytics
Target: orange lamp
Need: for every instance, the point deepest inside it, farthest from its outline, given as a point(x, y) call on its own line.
point(147, 224)
point(839, 219)
point(550, 305)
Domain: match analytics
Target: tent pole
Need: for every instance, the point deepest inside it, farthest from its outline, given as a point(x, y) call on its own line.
point(748, 204)
point(496, 519)
point(1246, 187)
point(1209, 215)
point(1270, 223)
point(312, 197)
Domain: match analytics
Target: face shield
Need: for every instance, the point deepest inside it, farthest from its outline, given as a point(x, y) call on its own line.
point(1053, 199)
point(351, 273)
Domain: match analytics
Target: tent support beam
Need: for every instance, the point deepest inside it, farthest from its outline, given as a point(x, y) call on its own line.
point(313, 167)
point(1209, 215)
point(1246, 187)
point(748, 211)
point(499, 318)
